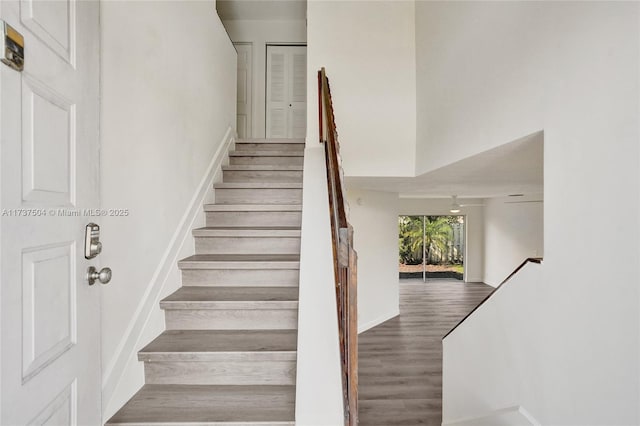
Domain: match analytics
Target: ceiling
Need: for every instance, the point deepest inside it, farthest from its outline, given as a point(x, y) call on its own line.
point(270, 10)
point(513, 168)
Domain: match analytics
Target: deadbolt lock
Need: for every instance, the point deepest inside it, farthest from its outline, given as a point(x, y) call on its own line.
point(92, 244)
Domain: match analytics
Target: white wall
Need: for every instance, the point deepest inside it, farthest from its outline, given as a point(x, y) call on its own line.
point(513, 233)
point(368, 49)
point(319, 375)
point(501, 362)
point(374, 217)
point(259, 34)
point(489, 73)
point(168, 98)
point(462, 72)
point(474, 228)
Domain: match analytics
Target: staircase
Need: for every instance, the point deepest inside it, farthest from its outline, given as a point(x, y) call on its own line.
point(228, 356)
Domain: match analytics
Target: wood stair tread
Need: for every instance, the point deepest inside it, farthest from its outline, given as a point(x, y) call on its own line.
point(232, 294)
point(270, 141)
point(264, 167)
point(265, 231)
point(252, 207)
point(266, 153)
point(209, 405)
point(243, 258)
point(225, 341)
point(258, 185)
point(193, 296)
point(241, 261)
point(250, 227)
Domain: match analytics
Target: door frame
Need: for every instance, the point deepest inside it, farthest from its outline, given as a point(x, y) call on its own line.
point(266, 69)
point(250, 91)
point(465, 237)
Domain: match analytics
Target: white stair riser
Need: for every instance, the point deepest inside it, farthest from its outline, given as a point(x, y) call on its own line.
point(262, 176)
point(258, 196)
point(264, 160)
point(244, 146)
point(247, 245)
point(232, 319)
point(241, 277)
point(250, 372)
point(254, 219)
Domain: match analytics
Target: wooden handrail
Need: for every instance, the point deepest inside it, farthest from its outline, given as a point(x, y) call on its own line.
point(522, 265)
point(344, 256)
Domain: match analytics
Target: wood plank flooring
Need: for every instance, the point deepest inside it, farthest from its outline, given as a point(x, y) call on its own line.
point(400, 361)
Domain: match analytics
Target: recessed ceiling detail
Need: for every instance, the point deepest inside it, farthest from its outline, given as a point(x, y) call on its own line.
point(512, 168)
point(259, 10)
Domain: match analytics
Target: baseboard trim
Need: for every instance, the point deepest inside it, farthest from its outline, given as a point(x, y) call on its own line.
point(131, 341)
point(370, 324)
point(509, 415)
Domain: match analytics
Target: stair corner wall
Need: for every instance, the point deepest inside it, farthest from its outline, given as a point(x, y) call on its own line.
point(319, 384)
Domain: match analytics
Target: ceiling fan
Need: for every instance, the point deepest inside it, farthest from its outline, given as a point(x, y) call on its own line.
point(455, 206)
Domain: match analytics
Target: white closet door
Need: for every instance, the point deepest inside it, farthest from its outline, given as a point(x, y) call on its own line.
point(286, 91)
point(243, 122)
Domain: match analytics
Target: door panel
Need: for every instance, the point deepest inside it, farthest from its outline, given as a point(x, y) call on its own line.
point(48, 143)
point(50, 317)
point(54, 23)
point(299, 122)
point(286, 91)
point(276, 92)
point(48, 305)
point(298, 93)
point(278, 123)
point(245, 75)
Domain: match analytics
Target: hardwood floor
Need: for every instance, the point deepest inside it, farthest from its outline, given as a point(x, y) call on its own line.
point(400, 361)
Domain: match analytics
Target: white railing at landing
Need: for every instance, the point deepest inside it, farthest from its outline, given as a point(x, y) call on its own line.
point(490, 360)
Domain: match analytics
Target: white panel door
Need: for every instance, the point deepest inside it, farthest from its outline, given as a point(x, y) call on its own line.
point(286, 91)
point(49, 168)
point(245, 75)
